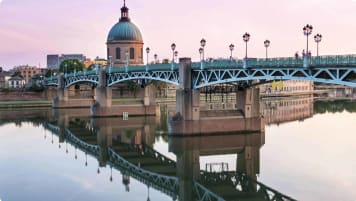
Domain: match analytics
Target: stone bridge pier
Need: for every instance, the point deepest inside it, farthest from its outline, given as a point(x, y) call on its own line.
point(188, 99)
point(62, 100)
point(103, 106)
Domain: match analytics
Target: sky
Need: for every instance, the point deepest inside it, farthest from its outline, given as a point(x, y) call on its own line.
point(29, 30)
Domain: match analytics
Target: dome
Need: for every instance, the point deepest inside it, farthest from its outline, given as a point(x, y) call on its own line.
point(124, 30)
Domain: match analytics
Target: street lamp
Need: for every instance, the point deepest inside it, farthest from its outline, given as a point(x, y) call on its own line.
point(173, 47)
point(267, 43)
point(147, 51)
point(127, 61)
point(201, 52)
point(202, 44)
point(110, 63)
point(176, 55)
point(317, 39)
point(231, 47)
point(246, 38)
point(155, 57)
point(307, 30)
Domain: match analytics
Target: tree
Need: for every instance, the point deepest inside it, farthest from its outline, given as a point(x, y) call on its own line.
point(17, 74)
point(71, 65)
point(50, 73)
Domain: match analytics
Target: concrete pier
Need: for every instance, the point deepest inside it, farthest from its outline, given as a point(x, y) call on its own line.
point(62, 100)
point(188, 100)
point(103, 106)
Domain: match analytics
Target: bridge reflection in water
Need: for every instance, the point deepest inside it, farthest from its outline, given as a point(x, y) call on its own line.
point(127, 147)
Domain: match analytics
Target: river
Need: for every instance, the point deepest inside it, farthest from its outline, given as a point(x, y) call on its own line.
point(306, 152)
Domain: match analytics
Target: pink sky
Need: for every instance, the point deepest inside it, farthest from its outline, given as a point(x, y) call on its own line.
point(31, 29)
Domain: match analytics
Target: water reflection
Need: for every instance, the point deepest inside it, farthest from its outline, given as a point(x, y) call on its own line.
point(126, 146)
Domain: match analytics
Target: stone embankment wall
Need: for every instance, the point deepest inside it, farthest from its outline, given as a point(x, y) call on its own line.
point(27, 96)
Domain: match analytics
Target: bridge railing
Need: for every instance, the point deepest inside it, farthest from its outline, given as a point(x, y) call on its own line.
point(338, 60)
point(328, 60)
point(142, 68)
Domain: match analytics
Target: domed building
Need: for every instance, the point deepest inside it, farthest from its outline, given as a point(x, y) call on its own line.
point(124, 42)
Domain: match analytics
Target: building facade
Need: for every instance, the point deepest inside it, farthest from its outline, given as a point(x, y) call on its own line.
point(286, 88)
point(124, 42)
point(29, 71)
point(55, 60)
point(16, 82)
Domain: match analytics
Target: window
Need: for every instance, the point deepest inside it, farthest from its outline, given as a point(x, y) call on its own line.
point(107, 53)
point(132, 53)
point(118, 53)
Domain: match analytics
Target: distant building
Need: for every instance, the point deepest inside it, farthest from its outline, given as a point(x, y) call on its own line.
point(287, 87)
point(55, 60)
point(16, 82)
point(29, 71)
point(100, 61)
point(88, 62)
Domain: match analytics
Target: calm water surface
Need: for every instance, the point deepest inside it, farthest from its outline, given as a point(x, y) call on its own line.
point(306, 153)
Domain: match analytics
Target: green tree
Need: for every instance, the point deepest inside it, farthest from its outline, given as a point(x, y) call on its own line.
point(50, 73)
point(71, 65)
point(17, 74)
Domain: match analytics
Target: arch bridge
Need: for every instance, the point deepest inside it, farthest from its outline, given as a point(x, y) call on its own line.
point(190, 77)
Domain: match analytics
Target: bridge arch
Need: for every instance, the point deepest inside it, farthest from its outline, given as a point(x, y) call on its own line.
point(169, 77)
point(86, 82)
point(337, 76)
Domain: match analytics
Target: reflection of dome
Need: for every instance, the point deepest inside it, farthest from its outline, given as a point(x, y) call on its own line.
point(124, 30)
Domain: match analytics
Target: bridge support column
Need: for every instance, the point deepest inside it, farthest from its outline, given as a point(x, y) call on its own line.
point(188, 100)
point(62, 93)
point(103, 97)
point(149, 100)
point(247, 101)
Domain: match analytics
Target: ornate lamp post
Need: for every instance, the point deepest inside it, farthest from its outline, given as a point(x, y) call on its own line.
point(267, 43)
point(202, 44)
point(176, 55)
point(173, 47)
point(231, 47)
point(307, 30)
point(246, 38)
point(127, 61)
point(147, 52)
point(110, 63)
point(317, 39)
point(201, 52)
point(155, 57)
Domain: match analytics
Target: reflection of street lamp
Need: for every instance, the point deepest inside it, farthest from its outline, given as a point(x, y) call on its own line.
point(307, 30)
point(317, 39)
point(202, 44)
point(266, 43)
point(246, 38)
point(231, 47)
point(148, 195)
